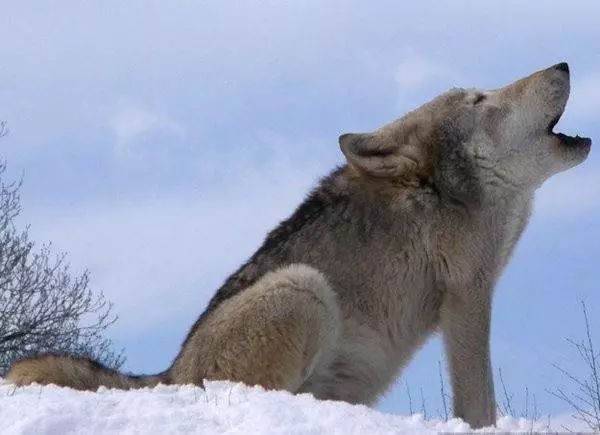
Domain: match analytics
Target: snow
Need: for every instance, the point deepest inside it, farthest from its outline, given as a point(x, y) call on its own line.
point(222, 408)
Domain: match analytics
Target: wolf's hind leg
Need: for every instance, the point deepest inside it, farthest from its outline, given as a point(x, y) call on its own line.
point(271, 334)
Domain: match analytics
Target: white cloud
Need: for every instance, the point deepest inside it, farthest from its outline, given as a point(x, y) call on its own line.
point(415, 72)
point(131, 122)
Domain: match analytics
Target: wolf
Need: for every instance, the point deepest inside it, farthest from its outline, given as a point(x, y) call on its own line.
point(407, 238)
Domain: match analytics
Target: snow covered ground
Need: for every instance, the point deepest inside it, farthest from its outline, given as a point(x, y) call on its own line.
point(224, 408)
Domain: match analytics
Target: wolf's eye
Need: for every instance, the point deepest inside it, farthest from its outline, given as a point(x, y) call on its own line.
point(479, 99)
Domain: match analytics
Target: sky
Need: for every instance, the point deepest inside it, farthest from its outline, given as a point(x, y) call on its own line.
point(159, 143)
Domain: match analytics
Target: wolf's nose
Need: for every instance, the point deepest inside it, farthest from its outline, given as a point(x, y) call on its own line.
point(563, 66)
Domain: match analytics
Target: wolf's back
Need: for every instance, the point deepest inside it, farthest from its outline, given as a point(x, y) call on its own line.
point(75, 372)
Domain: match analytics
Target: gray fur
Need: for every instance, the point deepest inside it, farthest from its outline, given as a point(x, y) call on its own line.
point(409, 237)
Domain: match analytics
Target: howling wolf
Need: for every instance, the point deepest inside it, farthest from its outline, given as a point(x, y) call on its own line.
point(408, 237)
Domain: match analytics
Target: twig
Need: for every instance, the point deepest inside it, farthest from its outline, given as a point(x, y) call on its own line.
point(410, 406)
point(508, 409)
point(423, 407)
point(443, 391)
point(585, 402)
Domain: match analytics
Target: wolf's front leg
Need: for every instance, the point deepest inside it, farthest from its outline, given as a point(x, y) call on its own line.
point(465, 321)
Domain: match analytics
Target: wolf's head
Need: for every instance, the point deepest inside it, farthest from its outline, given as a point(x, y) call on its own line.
point(466, 142)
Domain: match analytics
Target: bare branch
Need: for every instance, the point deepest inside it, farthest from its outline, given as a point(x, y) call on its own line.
point(585, 403)
point(43, 306)
point(505, 406)
point(410, 405)
point(443, 392)
point(423, 406)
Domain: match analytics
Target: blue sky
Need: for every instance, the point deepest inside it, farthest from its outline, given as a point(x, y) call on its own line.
point(159, 143)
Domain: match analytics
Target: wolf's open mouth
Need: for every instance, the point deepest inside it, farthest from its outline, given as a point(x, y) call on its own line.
point(565, 139)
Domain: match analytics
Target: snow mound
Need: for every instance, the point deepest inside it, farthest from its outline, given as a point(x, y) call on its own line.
point(223, 407)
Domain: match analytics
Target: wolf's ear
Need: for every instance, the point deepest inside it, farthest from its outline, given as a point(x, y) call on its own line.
point(376, 155)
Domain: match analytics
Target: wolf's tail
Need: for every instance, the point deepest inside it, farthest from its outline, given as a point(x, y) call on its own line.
point(75, 372)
